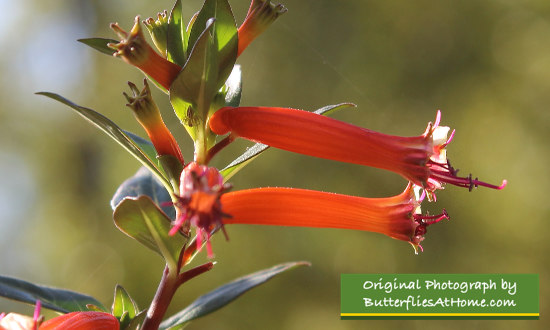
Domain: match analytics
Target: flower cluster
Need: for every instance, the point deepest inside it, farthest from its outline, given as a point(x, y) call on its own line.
point(173, 207)
point(199, 198)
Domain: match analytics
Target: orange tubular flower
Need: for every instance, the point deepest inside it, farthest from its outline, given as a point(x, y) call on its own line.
point(82, 321)
point(420, 159)
point(134, 49)
point(148, 115)
point(261, 14)
point(398, 217)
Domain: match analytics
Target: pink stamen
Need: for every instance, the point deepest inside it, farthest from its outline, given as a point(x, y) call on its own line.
point(427, 220)
point(2, 315)
point(422, 196)
point(37, 308)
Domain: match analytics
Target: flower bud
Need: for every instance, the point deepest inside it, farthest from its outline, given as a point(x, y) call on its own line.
point(259, 17)
point(158, 29)
point(134, 49)
point(148, 115)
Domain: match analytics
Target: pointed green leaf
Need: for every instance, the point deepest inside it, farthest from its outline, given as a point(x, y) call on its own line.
point(146, 146)
point(124, 307)
point(225, 34)
point(60, 300)
point(330, 109)
point(225, 294)
point(100, 44)
point(141, 219)
point(176, 39)
point(251, 153)
point(243, 160)
point(233, 87)
point(195, 86)
point(113, 131)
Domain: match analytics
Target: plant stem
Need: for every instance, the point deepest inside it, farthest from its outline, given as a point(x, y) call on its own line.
point(166, 290)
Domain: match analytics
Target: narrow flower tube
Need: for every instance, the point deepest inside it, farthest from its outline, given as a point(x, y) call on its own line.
point(198, 204)
point(420, 159)
point(148, 115)
point(398, 217)
point(261, 14)
point(82, 321)
point(134, 49)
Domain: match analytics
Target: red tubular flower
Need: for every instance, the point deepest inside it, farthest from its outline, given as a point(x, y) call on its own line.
point(82, 321)
point(398, 217)
point(148, 115)
point(420, 159)
point(134, 49)
point(199, 202)
point(261, 14)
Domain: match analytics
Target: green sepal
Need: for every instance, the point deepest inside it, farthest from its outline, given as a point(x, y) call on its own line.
point(225, 294)
point(225, 35)
point(136, 322)
point(124, 307)
point(113, 131)
point(141, 219)
point(60, 300)
point(253, 152)
point(176, 37)
point(100, 44)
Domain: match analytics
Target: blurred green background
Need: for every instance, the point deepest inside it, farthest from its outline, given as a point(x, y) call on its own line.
point(485, 64)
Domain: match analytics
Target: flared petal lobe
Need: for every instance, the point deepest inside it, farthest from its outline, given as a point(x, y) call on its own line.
point(398, 216)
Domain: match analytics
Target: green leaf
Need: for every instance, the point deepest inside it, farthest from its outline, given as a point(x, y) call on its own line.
point(100, 44)
point(60, 300)
point(143, 183)
point(225, 294)
point(195, 86)
point(225, 34)
point(236, 165)
point(251, 153)
point(113, 131)
point(176, 39)
point(124, 307)
point(141, 219)
point(233, 87)
point(146, 146)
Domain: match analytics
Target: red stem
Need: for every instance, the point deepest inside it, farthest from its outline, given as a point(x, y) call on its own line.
point(165, 292)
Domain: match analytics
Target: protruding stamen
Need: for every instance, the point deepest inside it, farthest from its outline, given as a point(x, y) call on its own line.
point(427, 220)
point(446, 173)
